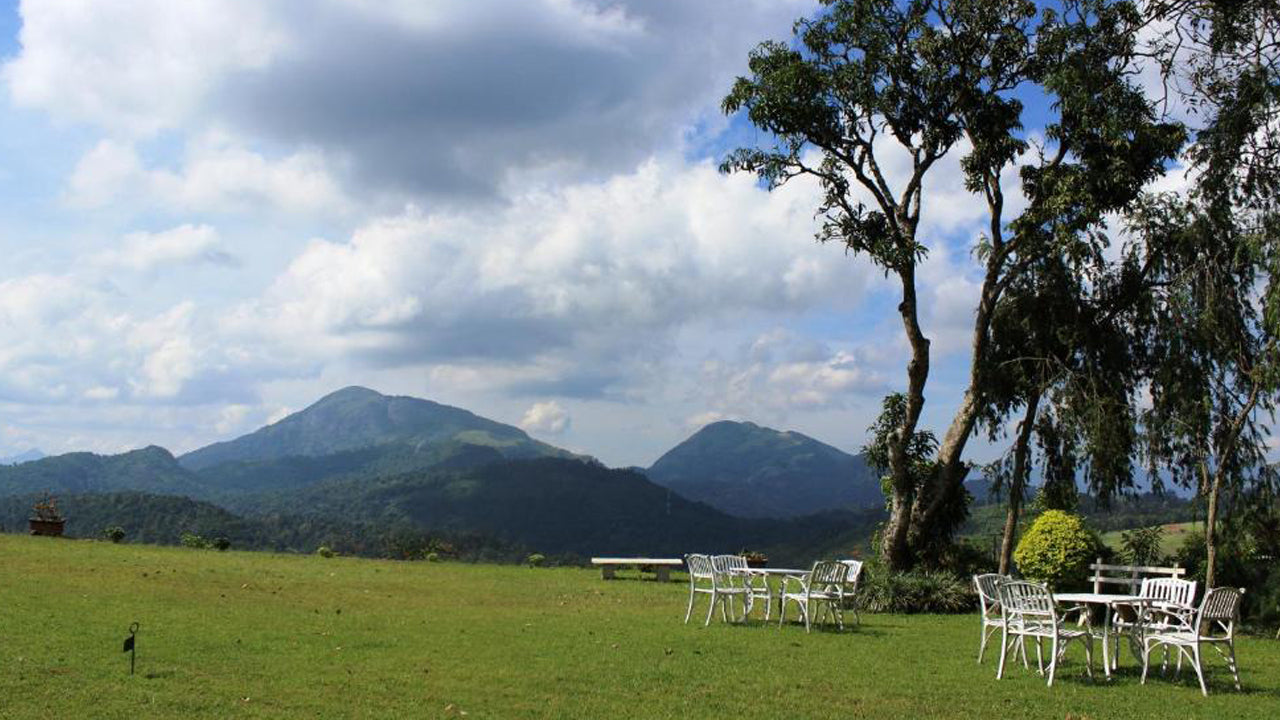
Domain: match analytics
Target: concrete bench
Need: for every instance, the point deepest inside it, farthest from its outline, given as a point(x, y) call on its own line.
point(660, 566)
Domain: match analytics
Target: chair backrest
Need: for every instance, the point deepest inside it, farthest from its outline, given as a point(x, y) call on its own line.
point(1219, 611)
point(988, 587)
point(1026, 602)
point(828, 574)
point(699, 567)
point(854, 573)
point(1182, 592)
point(729, 570)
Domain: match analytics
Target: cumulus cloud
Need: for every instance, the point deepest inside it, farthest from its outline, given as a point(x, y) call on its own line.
point(442, 98)
point(183, 245)
point(546, 418)
point(586, 278)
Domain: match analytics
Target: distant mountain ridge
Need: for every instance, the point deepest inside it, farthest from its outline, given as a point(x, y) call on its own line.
point(354, 418)
point(22, 457)
point(151, 469)
point(748, 470)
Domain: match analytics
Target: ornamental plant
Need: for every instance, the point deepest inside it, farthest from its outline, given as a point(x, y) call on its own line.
point(46, 508)
point(1056, 549)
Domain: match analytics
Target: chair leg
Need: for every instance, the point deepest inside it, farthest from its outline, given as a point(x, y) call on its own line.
point(688, 613)
point(711, 609)
point(1146, 661)
point(1088, 653)
point(982, 640)
point(1053, 658)
point(1231, 662)
point(1196, 659)
point(1004, 650)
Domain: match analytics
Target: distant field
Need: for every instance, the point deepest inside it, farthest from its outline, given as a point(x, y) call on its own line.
point(247, 635)
point(1174, 535)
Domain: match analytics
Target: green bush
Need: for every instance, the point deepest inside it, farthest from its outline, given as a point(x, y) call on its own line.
point(1056, 549)
point(192, 540)
point(1142, 545)
point(433, 557)
point(536, 560)
point(324, 551)
point(114, 533)
point(918, 591)
point(221, 543)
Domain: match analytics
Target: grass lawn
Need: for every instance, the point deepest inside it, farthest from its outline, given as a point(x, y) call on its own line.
point(258, 635)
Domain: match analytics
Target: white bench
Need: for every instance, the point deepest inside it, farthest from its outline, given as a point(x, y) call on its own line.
point(1131, 576)
point(661, 566)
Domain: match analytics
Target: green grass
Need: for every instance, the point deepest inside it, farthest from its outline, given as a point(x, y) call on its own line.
point(1174, 535)
point(231, 635)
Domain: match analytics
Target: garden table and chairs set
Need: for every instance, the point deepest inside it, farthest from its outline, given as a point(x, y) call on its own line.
point(1160, 616)
point(825, 590)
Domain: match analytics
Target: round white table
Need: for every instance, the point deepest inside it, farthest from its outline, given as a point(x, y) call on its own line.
point(1109, 603)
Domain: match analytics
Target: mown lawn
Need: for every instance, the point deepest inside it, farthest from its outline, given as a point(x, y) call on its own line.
point(257, 635)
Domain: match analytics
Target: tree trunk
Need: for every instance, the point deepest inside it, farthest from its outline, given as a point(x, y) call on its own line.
point(1017, 483)
point(1211, 527)
point(895, 547)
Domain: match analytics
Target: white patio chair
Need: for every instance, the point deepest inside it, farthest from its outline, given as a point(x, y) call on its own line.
point(702, 579)
point(988, 587)
point(1214, 624)
point(1029, 612)
point(851, 588)
point(731, 581)
point(822, 586)
point(1172, 597)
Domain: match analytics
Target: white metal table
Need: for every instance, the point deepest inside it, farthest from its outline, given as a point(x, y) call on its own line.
point(1109, 602)
point(767, 572)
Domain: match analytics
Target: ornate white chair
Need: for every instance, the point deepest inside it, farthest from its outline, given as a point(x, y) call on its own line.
point(1172, 602)
point(731, 581)
point(1029, 612)
point(1214, 624)
point(702, 579)
point(851, 588)
point(823, 585)
point(988, 587)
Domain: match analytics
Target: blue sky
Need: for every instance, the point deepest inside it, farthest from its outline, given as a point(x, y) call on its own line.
point(214, 212)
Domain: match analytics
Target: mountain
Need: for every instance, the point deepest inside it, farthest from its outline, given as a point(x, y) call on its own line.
point(751, 471)
point(565, 506)
point(22, 457)
point(355, 418)
point(150, 469)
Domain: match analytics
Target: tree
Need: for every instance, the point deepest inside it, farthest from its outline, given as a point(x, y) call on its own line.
point(926, 78)
point(1213, 322)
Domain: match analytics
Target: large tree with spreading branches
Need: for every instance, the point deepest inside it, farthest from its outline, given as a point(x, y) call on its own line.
point(866, 80)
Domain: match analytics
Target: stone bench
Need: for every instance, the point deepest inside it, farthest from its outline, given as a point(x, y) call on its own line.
point(660, 566)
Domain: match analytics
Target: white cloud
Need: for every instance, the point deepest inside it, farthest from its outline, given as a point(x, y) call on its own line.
point(183, 245)
point(547, 418)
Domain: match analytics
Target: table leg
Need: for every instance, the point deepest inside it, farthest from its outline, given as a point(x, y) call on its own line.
point(1106, 640)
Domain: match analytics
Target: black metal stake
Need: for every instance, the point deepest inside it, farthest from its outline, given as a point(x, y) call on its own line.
point(130, 646)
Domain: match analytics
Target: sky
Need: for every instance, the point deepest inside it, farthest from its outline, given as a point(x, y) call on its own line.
point(214, 212)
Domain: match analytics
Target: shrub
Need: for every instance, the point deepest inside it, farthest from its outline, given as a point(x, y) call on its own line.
point(114, 533)
point(1142, 545)
point(221, 543)
point(324, 551)
point(433, 557)
point(1056, 549)
point(192, 540)
point(917, 591)
point(536, 560)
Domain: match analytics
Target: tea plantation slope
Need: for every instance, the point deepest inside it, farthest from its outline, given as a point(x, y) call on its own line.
point(254, 635)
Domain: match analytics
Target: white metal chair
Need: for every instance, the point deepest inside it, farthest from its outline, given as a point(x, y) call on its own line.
point(731, 581)
point(823, 585)
point(851, 588)
point(1173, 603)
point(1214, 624)
point(1029, 612)
point(988, 587)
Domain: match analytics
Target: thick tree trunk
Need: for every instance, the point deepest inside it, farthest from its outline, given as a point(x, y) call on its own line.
point(1017, 483)
point(1211, 527)
point(895, 547)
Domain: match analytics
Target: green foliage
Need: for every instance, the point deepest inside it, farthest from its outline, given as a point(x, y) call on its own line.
point(916, 591)
point(325, 551)
point(46, 508)
point(221, 543)
point(535, 560)
point(114, 533)
point(191, 540)
point(1141, 546)
point(1056, 549)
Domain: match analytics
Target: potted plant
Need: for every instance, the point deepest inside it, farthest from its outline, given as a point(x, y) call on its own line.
point(48, 519)
point(755, 559)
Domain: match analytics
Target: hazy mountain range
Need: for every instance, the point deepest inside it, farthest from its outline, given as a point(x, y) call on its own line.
point(370, 458)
